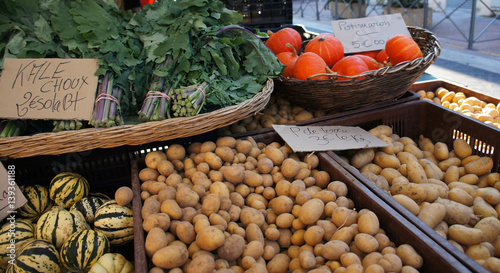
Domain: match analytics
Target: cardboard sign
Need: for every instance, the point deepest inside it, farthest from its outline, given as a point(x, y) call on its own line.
point(368, 33)
point(48, 88)
point(11, 196)
point(327, 138)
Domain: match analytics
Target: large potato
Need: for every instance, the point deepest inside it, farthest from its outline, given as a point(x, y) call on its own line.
point(311, 211)
point(171, 256)
point(210, 238)
point(233, 248)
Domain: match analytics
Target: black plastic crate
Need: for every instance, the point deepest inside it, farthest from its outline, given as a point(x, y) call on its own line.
point(262, 14)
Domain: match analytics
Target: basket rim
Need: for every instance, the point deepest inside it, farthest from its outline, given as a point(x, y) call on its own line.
point(424, 61)
point(55, 143)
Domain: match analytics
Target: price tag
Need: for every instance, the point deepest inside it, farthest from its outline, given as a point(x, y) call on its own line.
point(11, 196)
point(368, 33)
point(327, 138)
point(48, 88)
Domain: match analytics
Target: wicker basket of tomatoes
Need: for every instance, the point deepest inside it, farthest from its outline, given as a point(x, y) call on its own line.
point(354, 81)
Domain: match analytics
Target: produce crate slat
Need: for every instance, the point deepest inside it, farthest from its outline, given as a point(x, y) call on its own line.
point(439, 124)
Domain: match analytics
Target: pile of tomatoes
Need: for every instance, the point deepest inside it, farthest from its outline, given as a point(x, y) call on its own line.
point(323, 56)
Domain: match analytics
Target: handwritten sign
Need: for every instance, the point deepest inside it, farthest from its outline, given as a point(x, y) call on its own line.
point(327, 138)
point(11, 196)
point(48, 88)
point(368, 33)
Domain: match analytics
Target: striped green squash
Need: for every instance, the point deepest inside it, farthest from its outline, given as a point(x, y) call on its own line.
point(82, 250)
point(68, 188)
point(37, 202)
point(116, 222)
point(22, 231)
point(88, 207)
point(37, 256)
point(57, 224)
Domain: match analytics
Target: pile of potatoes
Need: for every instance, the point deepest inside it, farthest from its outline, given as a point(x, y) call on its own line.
point(448, 188)
point(237, 205)
point(471, 106)
point(277, 111)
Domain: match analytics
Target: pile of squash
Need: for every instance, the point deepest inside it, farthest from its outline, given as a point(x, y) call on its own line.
point(64, 228)
point(323, 56)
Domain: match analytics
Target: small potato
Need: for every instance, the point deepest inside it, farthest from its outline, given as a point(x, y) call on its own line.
point(150, 206)
point(371, 167)
point(233, 248)
point(409, 256)
point(343, 216)
point(281, 204)
point(479, 166)
point(452, 161)
point(432, 214)
point(311, 211)
point(225, 153)
point(186, 197)
point(161, 220)
point(210, 238)
point(146, 174)
point(408, 203)
point(250, 215)
point(155, 240)
point(483, 208)
point(416, 172)
point(462, 148)
point(333, 250)
point(441, 151)
point(124, 195)
point(368, 222)
point(431, 169)
point(386, 161)
point(412, 190)
point(278, 264)
point(362, 157)
point(390, 174)
point(234, 174)
point(153, 158)
point(365, 242)
point(461, 196)
point(314, 235)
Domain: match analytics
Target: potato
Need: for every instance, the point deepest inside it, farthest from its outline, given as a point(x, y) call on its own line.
point(405, 157)
point(407, 202)
point(201, 264)
point(452, 161)
point(409, 256)
point(150, 206)
point(368, 222)
point(416, 172)
point(425, 144)
point(314, 235)
point(171, 256)
point(490, 227)
point(479, 166)
point(252, 179)
point(275, 154)
point(186, 197)
point(365, 242)
point(451, 174)
point(441, 151)
point(225, 153)
point(412, 190)
point(414, 150)
point(146, 174)
point(210, 238)
point(281, 204)
point(483, 209)
point(489, 194)
point(250, 215)
point(161, 220)
point(153, 158)
point(432, 214)
point(478, 252)
point(386, 161)
point(431, 169)
point(333, 250)
point(492, 264)
point(391, 262)
point(465, 235)
point(311, 211)
point(124, 195)
point(290, 167)
point(456, 213)
point(371, 167)
point(362, 157)
point(155, 240)
point(461, 196)
point(470, 179)
point(343, 216)
point(278, 264)
point(234, 174)
point(462, 148)
point(171, 208)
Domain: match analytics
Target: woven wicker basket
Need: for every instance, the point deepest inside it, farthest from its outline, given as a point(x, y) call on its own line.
point(385, 84)
point(92, 138)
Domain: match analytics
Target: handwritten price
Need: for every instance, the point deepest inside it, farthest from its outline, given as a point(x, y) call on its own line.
point(367, 43)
